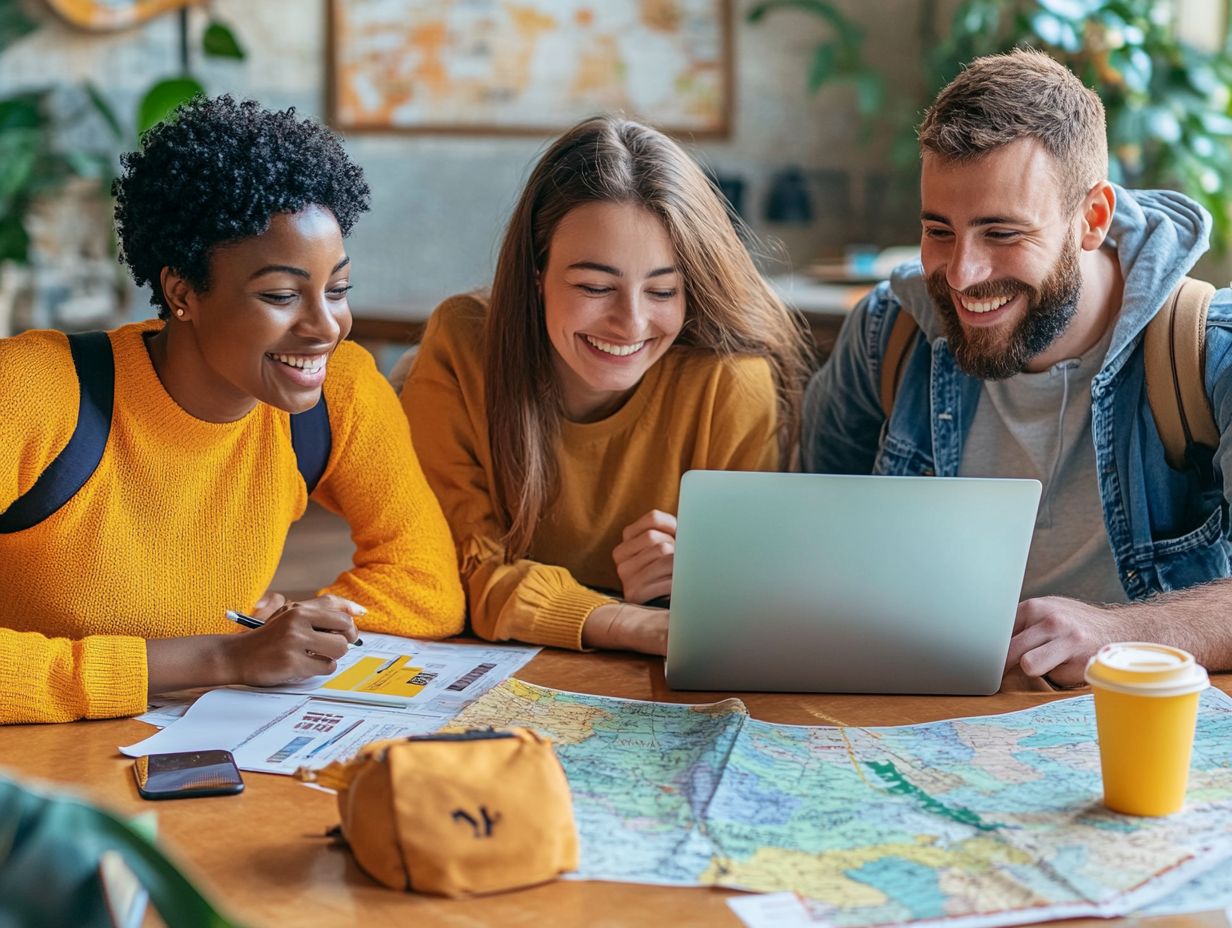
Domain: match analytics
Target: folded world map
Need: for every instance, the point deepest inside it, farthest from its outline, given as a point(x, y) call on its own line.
point(988, 820)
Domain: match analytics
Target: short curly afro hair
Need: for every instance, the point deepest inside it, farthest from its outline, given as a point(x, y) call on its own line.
point(216, 172)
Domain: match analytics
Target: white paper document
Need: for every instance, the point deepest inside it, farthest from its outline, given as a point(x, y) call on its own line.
point(281, 732)
point(392, 687)
point(402, 673)
point(166, 708)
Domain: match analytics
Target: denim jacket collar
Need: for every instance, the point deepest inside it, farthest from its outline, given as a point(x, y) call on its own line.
point(1167, 529)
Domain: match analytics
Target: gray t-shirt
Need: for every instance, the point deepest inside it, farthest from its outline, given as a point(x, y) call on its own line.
point(1039, 425)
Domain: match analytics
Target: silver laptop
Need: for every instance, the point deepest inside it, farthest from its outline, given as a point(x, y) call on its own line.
point(832, 584)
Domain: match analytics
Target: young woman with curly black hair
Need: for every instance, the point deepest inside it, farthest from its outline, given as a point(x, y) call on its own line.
point(235, 218)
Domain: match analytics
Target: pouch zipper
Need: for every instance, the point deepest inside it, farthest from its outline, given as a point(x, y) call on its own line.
point(474, 734)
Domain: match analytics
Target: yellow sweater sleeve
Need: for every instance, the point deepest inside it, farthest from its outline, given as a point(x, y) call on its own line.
point(58, 679)
point(45, 678)
point(443, 400)
point(405, 571)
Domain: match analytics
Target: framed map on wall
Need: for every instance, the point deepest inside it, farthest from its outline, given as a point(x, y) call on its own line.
point(529, 66)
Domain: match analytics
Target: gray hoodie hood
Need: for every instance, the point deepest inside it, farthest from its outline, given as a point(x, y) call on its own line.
point(1158, 236)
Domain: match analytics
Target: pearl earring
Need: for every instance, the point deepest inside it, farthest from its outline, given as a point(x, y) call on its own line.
point(179, 312)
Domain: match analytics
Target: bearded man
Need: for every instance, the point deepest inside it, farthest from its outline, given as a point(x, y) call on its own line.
point(1036, 281)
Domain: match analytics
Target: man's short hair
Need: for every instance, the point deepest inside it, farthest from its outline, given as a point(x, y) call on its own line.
point(1024, 94)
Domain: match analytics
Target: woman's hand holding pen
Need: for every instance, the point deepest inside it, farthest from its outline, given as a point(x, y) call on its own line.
point(298, 640)
point(269, 603)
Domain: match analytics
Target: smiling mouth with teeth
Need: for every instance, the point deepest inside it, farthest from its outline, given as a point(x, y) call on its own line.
point(986, 305)
point(309, 364)
point(619, 351)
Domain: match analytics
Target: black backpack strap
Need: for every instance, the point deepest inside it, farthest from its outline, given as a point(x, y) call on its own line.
point(68, 473)
point(312, 440)
point(74, 465)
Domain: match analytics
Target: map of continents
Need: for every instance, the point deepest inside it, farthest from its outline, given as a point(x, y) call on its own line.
point(995, 818)
point(641, 774)
point(529, 63)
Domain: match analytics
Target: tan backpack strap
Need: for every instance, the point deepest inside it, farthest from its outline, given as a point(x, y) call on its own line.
point(1174, 353)
point(894, 361)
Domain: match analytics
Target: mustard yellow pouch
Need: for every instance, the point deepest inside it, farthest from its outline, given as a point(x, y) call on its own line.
point(456, 814)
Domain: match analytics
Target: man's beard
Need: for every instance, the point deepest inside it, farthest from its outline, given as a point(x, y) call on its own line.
point(985, 352)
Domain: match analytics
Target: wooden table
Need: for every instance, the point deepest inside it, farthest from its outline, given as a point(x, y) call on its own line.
point(262, 856)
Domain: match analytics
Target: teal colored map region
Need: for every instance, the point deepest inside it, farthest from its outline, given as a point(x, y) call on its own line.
point(993, 820)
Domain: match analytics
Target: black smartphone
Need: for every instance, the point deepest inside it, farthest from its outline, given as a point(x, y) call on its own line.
point(187, 774)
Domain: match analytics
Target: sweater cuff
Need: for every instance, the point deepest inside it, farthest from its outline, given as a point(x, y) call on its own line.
point(558, 623)
point(115, 678)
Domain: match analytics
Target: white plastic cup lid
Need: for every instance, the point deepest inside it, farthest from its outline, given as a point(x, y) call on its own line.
point(1146, 669)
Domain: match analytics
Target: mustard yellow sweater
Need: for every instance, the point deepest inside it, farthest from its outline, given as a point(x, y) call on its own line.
point(185, 518)
point(692, 410)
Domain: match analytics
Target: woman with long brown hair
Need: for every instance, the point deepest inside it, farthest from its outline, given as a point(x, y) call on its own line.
point(627, 338)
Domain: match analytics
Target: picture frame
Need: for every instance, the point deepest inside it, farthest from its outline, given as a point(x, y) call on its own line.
point(491, 67)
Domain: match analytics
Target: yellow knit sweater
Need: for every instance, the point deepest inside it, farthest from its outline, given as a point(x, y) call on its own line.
point(692, 410)
point(184, 519)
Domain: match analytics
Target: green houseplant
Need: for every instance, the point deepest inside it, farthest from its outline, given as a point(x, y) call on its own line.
point(41, 178)
point(33, 162)
point(37, 165)
point(29, 166)
point(1168, 103)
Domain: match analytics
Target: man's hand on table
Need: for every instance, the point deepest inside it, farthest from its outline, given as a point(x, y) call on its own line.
point(1054, 637)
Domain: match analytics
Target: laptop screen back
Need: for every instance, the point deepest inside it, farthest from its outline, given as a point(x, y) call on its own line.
point(846, 584)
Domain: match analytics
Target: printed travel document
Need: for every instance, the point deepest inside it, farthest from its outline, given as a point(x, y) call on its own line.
point(402, 673)
point(391, 687)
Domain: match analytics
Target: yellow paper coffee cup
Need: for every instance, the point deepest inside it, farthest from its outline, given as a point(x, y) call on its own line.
point(1146, 708)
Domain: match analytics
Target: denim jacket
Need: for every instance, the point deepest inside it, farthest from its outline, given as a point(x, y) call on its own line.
point(1168, 529)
